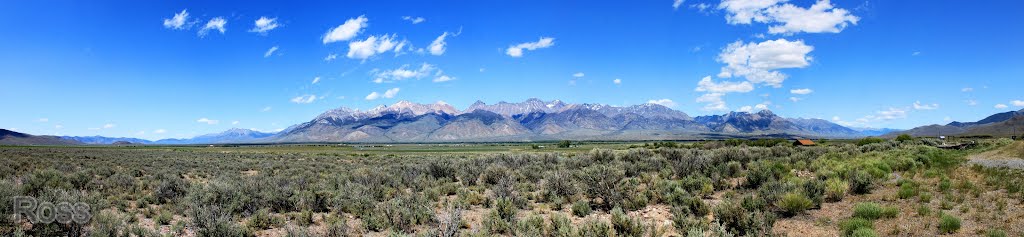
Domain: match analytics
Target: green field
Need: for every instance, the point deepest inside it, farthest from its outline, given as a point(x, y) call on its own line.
point(716, 188)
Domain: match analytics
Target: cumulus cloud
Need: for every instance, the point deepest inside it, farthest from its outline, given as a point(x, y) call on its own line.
point(234, 122)
point(109, 125)
point(438, 46)
point(801, 91)
point(304, 99)
point(1017, 103)
point(58, 126)
point(390, 93)
point(617, 81)
point(758, 62)
point(414, 20)
point(578, 75)
point(350, 29)
point(1001, 106)
point(402, 73)
point(443, 78)
point(330, 57)
point(822, 17)
point(707, 85)
point(664, 102)
point(972, 102)
point(177, 22)
point(270, 52)
point(795, 99)
point(891, 114)
point(517, 50)
point(217, 23)
point(374, 45)
point(714, 102)
point(677, 3)
point(208, 121)
point(315, 80)
point(264, 25)
point(919, 106)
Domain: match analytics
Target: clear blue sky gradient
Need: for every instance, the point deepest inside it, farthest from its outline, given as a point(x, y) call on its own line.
point(71, 67)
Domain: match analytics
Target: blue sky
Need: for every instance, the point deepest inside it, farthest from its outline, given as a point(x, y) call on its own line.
point(130, 68)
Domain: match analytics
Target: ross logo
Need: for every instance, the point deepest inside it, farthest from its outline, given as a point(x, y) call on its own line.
point(48, 212)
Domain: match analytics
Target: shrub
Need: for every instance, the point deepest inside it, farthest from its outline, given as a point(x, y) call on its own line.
point(170, 187)
point(163, 218)
point(904, 137)
point(530, 226)
point(814, 189)
point(863, 232)
point(263, 220)
point(867, 210)
point(860, 182)
point(560, 226)
point(595, 228)
point(336, 227)
point(849, 226)
point(869, 140)
point(735, 218)
point(449, 222)
point(214, 221)
point(995, 233)
point(493, 223)
point(948, 224)
point(625, 225)
point(890, 212)
point(835, 189)
point(908, 189)
point(600, 183)
point(558, 183)
point(581, 208)
point(793, 203)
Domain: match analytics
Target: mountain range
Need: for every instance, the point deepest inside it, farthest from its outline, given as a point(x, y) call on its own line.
point(530, 120)
point(1010, 123)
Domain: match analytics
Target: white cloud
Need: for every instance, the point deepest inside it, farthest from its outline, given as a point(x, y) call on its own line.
point(160, 131)
point(414, 20)
point(1001, 106)
point(390, 93)
point(967, 89)
point(437, 47)
point(891, 114)
point(947, 119)
point(795, 99)
point(1017, 103)
point(915, 53)
point(58, 126)
point(677, 3)
point(178, 21)
point(109, 125)
point(304, 99)
point(208, 121)
point(707, 85)
point(714, 102)
point(374, 45)
point(578, 75)
point(822, 17)
point(264, 24)
point(315, 80)
point(347, 31)
point(517, 50)
point(617, 81)
point(919, 106)
point(664, 102)
point(217, 23)
point(402, 73)
point(43, 120)
point(331, 57)
point(270, 52)
point(745, 108)
point(801, 91)
point(972, 102)
point(443, 78)
point(234, 122)
point(757, 62)
point(140, 133)
point(373, 96)
point(266, 109)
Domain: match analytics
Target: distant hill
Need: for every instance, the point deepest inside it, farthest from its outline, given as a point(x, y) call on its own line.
point(100, 140)
point(1001, 124)
point(234, 135)
point(874, 132)
point(8, 137)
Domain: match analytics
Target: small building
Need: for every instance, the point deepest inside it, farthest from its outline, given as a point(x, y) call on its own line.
point(803, 142)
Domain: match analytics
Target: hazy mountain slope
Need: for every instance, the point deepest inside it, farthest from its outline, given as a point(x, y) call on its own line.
point(98, 140)
point(234, 135)
point(1000, 124)
point(8, 137)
